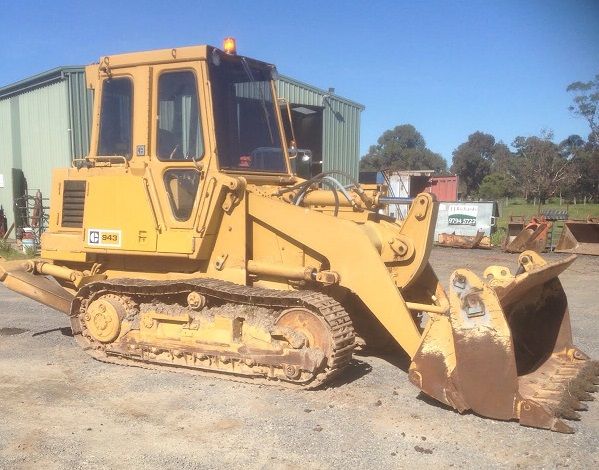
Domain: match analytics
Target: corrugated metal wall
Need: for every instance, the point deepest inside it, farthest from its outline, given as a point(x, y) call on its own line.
point(341, 123)
point(6, 159)
point(44, 141)
point(42, 127)
point(81, 107)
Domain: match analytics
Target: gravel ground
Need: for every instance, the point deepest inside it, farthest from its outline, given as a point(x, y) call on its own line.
point(61, 409)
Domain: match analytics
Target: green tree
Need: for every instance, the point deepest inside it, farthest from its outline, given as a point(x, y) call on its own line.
point(497, 185)
point(502, 160)
point(542, 169)
point(585, 164)
point(402, 148)
point(477, 157)
point(586, 105)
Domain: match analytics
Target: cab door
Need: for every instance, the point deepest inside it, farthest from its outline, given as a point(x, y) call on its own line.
point(116, 215)
point(178, 147)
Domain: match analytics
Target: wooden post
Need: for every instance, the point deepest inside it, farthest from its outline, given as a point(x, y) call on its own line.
point(7, 234)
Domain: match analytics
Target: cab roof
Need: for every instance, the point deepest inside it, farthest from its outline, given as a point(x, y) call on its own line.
point(157, 56)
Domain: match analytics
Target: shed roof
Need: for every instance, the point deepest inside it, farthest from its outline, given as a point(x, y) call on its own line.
point(58, 73)
point(38, 80)
point(320, 91)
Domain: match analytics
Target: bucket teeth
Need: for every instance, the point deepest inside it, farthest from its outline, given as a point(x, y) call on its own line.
point(591, 372)
point(582, 406)
point(583, 384)
point(568, 414)
point(585, 396)
point(566, 408)
point(560, 391)
point(578, 388)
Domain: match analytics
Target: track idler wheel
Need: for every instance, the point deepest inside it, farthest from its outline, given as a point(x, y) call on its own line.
point(309, 325)
point(305, 329)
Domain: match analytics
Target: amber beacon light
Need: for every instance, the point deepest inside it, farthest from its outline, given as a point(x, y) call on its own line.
point(229, 46)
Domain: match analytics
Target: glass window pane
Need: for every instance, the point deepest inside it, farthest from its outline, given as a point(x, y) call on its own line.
point(179, 136)
point(247, 131)
point(116, 114)
point(182, 186)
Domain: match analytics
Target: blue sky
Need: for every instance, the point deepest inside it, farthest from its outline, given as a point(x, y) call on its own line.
point(448, 68)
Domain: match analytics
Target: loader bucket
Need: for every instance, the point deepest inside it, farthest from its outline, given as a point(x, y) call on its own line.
point(580, 236)
point(504, 349)
point(532, 237)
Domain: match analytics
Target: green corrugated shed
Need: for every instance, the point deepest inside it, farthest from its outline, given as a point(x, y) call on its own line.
point(45, 122)
point(340, 121)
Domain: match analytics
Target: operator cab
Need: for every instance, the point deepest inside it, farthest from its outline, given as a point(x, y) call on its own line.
point(183, 89)
point(246, 124)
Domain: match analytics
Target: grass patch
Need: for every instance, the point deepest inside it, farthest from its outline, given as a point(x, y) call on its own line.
point(9, 253)
point(520, 207)
point(498, 236)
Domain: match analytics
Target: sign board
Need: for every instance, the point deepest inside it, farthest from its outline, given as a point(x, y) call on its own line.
point(1, 180)
point(462, 214)
point(466, 218)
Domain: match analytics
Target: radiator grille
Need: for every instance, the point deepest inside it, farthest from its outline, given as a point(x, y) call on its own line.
point(73, 202)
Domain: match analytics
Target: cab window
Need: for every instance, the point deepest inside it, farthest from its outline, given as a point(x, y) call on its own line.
point(181, 187)
point(178, 136)
point(116, 115)
point(247, 131)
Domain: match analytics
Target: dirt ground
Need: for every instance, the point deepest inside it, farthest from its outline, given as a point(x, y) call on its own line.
point(60, 408)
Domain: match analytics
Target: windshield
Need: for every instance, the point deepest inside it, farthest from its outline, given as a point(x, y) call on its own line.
point(247, 134)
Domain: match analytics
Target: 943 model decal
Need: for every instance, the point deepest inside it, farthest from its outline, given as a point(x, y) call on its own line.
point(99, 237)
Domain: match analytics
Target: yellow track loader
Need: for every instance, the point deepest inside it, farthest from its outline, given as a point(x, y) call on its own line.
point(185, 241)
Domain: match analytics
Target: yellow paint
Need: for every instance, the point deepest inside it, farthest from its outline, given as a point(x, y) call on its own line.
point(234, 217)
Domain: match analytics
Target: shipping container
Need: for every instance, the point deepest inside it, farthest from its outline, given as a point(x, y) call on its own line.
point(445, 188)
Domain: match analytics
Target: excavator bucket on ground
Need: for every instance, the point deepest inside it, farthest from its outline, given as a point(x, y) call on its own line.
point(580, 236)
point(514, 226)
point(505, 348)
point(533, 236)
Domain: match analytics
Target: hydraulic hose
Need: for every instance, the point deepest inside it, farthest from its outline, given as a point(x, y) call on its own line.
point(332, 182)
point(303, 186)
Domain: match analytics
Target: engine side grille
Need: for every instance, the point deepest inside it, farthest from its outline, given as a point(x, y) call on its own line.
point(73, 202)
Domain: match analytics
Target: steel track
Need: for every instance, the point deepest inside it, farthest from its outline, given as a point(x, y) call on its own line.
point(335, 318)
